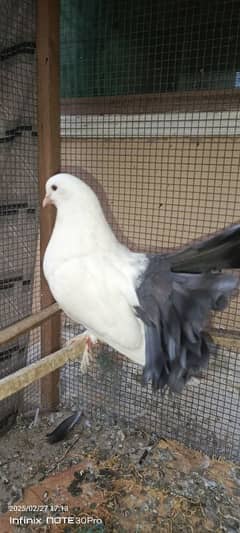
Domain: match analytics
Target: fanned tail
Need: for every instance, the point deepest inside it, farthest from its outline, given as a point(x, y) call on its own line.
point(218, 252)
point(176, 298)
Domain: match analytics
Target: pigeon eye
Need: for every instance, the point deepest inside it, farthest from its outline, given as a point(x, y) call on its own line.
point(54, 187)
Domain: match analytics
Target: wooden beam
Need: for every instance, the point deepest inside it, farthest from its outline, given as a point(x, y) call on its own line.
point(49, 163)
point(28, 323)
point(168, 102)
point(46, 366)
point(227, 342)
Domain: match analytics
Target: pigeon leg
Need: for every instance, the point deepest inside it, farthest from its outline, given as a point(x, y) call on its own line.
point(87, 355)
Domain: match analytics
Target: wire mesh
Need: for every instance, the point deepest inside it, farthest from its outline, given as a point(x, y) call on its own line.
point(19, 204)
point(150, 118)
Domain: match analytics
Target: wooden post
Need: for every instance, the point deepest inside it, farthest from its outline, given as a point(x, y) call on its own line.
point(49, 163)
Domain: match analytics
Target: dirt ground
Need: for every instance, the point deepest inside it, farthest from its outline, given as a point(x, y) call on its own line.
point(109, 477)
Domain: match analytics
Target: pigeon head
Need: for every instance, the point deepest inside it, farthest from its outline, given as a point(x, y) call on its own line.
point(64, 191)
point(79, 213)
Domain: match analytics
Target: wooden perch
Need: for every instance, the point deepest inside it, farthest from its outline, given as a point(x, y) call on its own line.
point(28, 323)
point(27, 375)
point(228, 342)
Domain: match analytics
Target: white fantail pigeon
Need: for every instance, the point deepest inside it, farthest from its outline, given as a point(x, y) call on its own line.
point(153, 308)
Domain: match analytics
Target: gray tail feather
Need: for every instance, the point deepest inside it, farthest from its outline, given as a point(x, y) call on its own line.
point(175, 317)
point(221, 251)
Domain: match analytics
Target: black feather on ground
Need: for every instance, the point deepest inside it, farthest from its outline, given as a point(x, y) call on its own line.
point(63, 429)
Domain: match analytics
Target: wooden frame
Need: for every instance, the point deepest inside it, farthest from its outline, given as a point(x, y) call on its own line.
point(49, 163)
point(180, 101)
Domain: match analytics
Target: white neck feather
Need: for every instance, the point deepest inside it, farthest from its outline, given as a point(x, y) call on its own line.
point(77, 233)
point(89, 228)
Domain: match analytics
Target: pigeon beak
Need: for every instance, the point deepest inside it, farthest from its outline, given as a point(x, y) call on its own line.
point(47, 200)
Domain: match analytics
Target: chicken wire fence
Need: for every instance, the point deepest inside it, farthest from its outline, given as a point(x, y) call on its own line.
point(150, 119)
point(19, 196)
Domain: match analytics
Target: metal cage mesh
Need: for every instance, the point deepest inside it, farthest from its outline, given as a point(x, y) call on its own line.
point(19, 204)
point(150, 118)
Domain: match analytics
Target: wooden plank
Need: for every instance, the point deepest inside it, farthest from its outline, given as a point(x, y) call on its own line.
point(49, 163)
point(198, 100)
point(44, 367)
point(152, 125)
point(28, 323)
point(228, 342)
